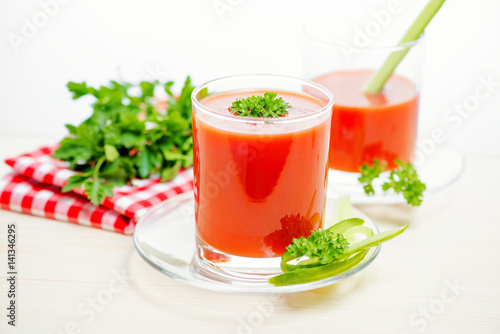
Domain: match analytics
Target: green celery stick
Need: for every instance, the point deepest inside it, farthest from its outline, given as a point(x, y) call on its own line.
point(390, 64)
point(342, 209)
point(374, 240)
point(317, 273)
point(358, 229)
point(345, 224)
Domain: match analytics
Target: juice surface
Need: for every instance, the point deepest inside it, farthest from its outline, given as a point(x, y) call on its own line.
point(256, 191)
point(367, 127)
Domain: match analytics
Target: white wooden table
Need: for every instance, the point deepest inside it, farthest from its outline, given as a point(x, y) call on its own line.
point(441, 276)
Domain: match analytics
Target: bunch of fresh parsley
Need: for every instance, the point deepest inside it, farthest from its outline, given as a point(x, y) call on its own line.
point(128, 135)
point(404, 179)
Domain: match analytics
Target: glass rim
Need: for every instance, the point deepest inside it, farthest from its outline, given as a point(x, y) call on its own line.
point(338, 44)
point(261, 120)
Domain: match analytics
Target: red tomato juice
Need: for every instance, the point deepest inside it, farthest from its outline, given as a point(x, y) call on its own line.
point(367, 127)
point(257, 186)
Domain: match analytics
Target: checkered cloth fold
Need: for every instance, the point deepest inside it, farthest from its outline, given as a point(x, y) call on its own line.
point(35, 188)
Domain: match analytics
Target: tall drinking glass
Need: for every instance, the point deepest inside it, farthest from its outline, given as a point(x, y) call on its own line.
point(364, 126)
point(259, 182)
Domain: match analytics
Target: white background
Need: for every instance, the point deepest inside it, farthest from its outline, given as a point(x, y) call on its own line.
point(87, 40)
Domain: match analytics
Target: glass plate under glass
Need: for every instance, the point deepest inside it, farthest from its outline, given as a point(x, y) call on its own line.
point(438, 170)
point(165, 238)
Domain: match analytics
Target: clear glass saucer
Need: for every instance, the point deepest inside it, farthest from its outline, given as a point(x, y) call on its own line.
point(438, 170)
point(165, 238)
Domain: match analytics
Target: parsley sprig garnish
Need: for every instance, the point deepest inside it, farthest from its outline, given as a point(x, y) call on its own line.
point(322, 246)
point(260, 106)
point(370, 173)
point(128, 135)
point(403, 179)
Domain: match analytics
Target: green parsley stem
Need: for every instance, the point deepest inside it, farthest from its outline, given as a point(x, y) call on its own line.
point(97, 167)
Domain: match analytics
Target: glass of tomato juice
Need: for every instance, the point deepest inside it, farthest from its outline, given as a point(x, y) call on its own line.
point(365, 127)
point(258, 182)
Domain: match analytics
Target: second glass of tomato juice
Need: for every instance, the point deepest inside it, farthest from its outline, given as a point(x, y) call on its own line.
point(259, 182)
point(365, 126)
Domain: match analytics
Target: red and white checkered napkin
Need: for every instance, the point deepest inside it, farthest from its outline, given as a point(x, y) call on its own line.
point(35, 188)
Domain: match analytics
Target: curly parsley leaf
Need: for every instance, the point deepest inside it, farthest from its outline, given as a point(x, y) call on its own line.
point(370, 173)
point(260, 106)
point(127, 135)
point(322, 246)
point(404, 179)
